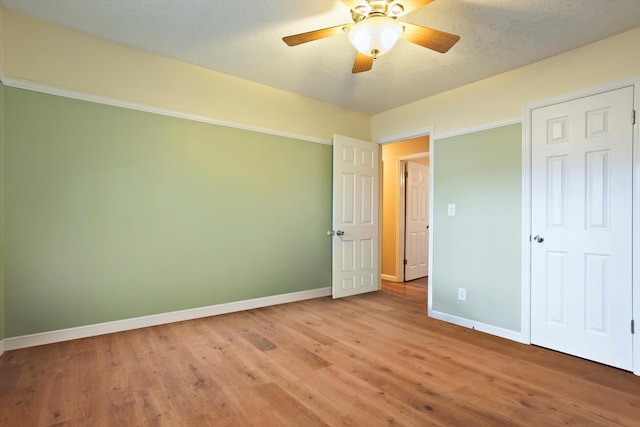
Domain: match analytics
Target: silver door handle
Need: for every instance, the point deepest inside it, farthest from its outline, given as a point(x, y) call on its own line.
point(339, 233)
point(538, 238)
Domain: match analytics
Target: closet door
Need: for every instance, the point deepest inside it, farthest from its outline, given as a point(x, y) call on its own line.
point(581, 262)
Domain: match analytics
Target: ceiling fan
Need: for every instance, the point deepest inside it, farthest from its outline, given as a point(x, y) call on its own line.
point(375, 30)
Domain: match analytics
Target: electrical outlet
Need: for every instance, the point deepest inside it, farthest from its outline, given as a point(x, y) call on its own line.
point(462, 294)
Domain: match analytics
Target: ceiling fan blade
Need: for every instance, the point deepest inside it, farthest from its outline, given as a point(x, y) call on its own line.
point(362, 63)
point(310, 36)
point(428, 37)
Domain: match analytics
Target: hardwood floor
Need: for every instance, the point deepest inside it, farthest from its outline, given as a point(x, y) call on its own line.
point(369, 360)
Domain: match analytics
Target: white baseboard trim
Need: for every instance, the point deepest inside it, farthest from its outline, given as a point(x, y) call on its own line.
point(86, 331)
point(389, 277)
point(479, 326)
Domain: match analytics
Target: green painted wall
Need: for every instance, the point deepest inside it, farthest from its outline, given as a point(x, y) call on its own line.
point(479, 248)
point(2, 304)
point(113, 213)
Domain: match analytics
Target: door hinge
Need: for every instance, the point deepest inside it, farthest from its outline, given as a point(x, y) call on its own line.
point(404, 261)
point(633, 327)
point(633, 117)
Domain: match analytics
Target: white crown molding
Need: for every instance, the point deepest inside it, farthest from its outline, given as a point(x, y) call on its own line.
point(68, 93)
point(86, 331)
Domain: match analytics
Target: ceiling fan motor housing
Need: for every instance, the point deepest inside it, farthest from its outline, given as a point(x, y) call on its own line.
point(390, 8)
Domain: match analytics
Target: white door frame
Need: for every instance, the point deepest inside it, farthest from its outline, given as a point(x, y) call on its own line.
point(401, 204)
point(526, 204)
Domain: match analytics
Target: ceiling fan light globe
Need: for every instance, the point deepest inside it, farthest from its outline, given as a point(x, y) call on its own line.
point(375, 36)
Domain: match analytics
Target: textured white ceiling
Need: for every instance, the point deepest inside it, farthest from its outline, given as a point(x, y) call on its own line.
point(243, 38)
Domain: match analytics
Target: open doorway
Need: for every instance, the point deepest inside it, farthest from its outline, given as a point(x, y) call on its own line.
point(395, 157)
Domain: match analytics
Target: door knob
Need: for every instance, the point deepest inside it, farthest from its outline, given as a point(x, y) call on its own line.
point(339, 233)
point(330, 233)
point(538, 238)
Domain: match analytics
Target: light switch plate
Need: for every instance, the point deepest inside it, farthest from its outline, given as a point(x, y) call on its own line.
point(451, 209)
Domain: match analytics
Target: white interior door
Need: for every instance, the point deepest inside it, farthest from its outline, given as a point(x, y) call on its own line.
point(416, 222)
point(581, 258)
point(355, 216)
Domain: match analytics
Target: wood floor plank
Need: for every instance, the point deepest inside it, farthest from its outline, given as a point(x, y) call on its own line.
point(373, 359)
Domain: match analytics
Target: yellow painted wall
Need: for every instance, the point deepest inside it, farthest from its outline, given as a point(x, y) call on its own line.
point(45, 53)
point(502, 97)
point(390, 154)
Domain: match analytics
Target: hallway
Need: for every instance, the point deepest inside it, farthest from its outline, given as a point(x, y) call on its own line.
point(416, 288)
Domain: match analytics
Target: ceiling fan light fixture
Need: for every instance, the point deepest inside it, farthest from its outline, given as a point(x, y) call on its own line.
point(376, 35)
